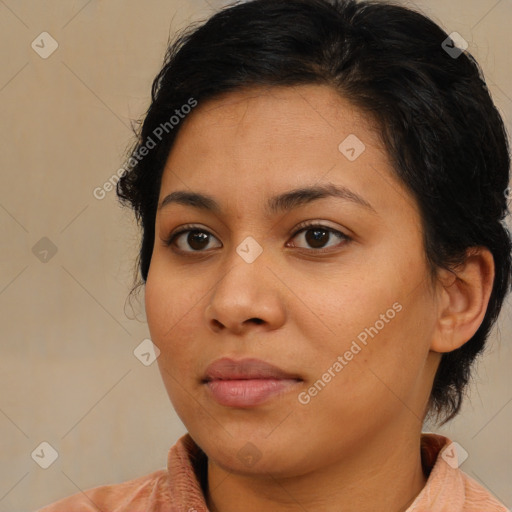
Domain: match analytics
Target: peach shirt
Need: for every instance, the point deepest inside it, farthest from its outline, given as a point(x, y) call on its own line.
point(178, 488)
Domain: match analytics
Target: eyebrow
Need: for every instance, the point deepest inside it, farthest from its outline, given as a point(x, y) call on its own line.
point(277, 204)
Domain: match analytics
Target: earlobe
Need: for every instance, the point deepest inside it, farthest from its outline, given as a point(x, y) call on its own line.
point(463, 295)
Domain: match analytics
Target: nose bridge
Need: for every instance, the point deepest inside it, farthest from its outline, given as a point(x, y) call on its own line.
point(245, 291)
point(246, 265)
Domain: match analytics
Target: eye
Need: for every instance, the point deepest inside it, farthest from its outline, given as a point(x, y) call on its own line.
point(317, 235)
point(197, 239)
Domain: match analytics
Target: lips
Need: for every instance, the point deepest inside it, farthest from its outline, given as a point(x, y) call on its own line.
point(247, 382)
point(244, 369)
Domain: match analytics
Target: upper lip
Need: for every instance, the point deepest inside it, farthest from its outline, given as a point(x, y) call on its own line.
point(249, 368)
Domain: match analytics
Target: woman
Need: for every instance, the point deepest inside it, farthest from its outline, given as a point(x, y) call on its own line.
point(321, 187)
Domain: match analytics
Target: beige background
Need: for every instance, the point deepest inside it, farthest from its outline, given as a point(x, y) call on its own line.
point(68, 374)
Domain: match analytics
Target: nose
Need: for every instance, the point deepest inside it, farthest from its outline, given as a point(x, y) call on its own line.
point(248, 296)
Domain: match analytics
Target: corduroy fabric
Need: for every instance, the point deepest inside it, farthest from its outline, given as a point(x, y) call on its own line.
point(178, 488)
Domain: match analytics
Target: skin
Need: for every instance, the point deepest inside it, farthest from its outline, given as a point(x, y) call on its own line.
point(356, 442)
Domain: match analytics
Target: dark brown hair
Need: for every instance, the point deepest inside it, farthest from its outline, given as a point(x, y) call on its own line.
point(437, 120)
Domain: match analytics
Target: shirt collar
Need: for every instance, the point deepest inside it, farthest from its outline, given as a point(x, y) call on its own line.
point(444, 491)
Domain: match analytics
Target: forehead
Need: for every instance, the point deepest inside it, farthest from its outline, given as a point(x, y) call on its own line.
point(302, 124)
point(257, 142)
point(271, 113)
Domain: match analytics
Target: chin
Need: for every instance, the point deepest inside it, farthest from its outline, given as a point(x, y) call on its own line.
point(252, 455)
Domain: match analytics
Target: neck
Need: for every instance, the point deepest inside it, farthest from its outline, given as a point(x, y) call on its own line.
point(380, 476)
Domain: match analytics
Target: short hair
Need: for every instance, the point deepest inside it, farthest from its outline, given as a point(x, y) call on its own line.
point(436, 119)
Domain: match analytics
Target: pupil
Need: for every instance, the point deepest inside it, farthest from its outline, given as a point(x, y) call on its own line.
point(194, 237)
point(316, 239)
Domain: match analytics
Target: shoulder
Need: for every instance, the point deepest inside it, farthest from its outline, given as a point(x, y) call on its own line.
point(176, 486)
point(478, 497)
point(448, 487)
point(148, 492)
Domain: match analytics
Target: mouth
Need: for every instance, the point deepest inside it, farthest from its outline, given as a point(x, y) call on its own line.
point(247, 382)
point(245, 369)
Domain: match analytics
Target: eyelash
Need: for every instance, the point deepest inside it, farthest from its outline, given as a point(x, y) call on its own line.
point(301, 228)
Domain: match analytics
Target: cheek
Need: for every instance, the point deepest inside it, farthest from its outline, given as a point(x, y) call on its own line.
point(167, 300)
point(378, 375)
point(158, 307)
point(170, 312)
point(397, 353)
point(163, 312)
point(384, 337)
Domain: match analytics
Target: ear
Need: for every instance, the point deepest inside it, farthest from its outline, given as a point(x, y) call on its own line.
point(462, 297)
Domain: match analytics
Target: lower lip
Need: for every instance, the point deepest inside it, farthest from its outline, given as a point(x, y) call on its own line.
point(248, 393)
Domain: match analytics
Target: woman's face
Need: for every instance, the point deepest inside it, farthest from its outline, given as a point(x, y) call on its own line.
point(344, 310)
